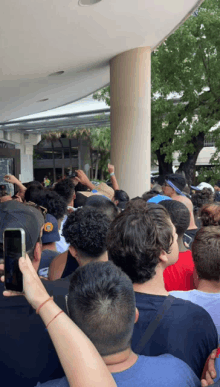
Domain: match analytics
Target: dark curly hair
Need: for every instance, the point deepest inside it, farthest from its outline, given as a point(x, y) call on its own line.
point(85, 229)
point(136, 239)
point(66, 189)
point(210, 214)
point(53, 202)
point(200, 198)
point(179, 215)
point(103, 204)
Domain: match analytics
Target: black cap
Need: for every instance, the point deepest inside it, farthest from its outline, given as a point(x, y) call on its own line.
point(178, 180)
point(18, 215)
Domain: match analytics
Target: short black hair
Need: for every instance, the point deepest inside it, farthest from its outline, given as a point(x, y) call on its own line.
point(136, 239)
point(32, 191)
point(85, 229)
point(206, 253)
point(53, 202)
point(179, 215)
point(150, 194)
point(80, 200)
point(66, 189)
point(103, 204)
point(122, 198)
point(101, 302)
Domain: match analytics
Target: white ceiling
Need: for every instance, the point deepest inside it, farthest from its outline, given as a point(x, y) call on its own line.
point(40, 37)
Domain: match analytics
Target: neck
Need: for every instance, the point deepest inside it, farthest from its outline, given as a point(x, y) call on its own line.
point(209, 286)
point(153, 286)
point(121, 361)
point(192, 225)
point(84, 261)
point(49, 246)
point(181, 245)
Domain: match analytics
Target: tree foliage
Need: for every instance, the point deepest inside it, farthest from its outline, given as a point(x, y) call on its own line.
point(185, 90)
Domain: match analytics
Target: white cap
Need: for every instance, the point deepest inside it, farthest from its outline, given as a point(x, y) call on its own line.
point(203, 185)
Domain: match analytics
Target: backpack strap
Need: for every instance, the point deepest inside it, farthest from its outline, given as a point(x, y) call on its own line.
point(154, 324)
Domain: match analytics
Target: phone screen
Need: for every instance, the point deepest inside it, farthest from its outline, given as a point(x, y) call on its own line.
point(13, 240)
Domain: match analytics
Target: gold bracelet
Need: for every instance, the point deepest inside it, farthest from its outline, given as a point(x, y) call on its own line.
point(39, 307)
point(54, 318)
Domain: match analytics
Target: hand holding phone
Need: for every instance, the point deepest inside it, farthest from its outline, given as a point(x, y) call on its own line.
point(13, 249)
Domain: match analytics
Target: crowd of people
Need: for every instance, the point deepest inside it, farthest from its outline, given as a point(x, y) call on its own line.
point(117, 291)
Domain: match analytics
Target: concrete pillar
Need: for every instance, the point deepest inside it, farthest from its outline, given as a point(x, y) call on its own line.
point(130, 83)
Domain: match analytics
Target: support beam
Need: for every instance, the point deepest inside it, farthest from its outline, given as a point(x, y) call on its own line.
point(130, 84)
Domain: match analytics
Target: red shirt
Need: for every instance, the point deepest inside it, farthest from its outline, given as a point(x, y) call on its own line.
point(180, 275)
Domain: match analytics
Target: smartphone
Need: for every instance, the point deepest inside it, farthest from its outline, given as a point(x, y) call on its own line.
point(13, 249)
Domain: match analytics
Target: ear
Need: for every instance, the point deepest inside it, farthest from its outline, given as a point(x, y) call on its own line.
point(37, 252)
point(73, 252)
point(116, 202)
point(136, 315)
point(163, 257)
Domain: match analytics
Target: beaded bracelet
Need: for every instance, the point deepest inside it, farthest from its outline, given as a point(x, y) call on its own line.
point(39, 307)
point(54, 318)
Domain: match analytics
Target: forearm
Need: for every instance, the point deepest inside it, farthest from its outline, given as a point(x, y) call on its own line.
point(81, 362)
point(115, 185)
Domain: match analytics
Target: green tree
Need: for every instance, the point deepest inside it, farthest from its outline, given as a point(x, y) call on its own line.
point(185, 90)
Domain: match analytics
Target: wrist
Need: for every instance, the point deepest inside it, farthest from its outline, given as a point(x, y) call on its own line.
point(112, 174)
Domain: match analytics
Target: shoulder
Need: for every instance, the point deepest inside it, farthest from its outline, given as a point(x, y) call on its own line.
point(172, 370)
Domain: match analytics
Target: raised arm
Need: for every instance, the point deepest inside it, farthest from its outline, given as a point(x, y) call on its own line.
point(81, 362)
point(83, 179)
point(111, 170)
point(13, 180)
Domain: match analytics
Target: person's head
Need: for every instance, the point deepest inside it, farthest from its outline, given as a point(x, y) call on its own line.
point(66, 189)
point(199, 198)
point(173, 185)
point(217, 186)
point(80, 200)
point(206, 253)
point(210, 214)
point(102, 204)
point(50, 231)
point(19, 215)
point(32, 191)
point(120, 198)
point(101, 302)
point(179, 215)
point(85, 230)
point(139, 240)
point(136, 202)
point(52, 201)
point(150, 194)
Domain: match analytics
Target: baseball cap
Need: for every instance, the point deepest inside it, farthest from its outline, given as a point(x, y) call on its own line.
point(157, 199)
point(203, 185)
point(50, 230)
point(14, 214)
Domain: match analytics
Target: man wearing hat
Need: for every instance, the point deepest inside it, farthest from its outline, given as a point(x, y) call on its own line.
point(28, 355)
point(49, 238)
point(174, 185)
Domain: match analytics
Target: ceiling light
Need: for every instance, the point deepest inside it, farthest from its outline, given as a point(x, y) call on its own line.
point(43, 100)
point(55, 74)
point(86, 3)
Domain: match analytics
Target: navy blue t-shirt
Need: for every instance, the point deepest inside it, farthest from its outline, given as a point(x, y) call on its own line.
point(186, 331)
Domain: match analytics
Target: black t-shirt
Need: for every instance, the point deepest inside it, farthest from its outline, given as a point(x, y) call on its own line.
point(71, 265)
point(186, 331)
point(27, 352)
